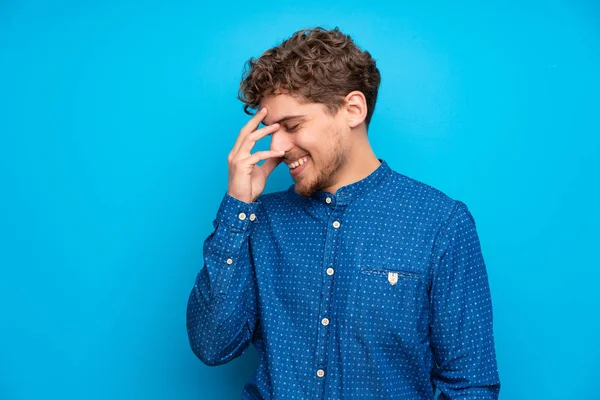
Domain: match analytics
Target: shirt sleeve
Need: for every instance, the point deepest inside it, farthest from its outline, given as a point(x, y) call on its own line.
point(221, 309)
point(461, 324)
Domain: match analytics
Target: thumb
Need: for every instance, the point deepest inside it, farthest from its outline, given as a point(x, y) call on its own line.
point(269, 165)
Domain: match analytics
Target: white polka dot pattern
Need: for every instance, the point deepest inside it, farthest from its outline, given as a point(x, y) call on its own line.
point(377, 292)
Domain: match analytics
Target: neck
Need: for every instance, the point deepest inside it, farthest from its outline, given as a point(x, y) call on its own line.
point(355, 171)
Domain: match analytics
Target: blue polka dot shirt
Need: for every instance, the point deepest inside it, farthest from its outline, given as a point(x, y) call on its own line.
point(377, 292)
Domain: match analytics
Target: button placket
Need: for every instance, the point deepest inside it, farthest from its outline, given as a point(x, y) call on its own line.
point(325, 324)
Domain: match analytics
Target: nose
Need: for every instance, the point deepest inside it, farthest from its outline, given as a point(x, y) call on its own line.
point(280, 140)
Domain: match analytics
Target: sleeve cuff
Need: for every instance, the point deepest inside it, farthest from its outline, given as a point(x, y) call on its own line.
point(235, 213)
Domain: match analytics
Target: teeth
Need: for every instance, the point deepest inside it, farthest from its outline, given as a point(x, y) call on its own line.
point(298, 163)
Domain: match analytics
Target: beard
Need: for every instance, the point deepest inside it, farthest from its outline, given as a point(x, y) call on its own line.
point(324, 170)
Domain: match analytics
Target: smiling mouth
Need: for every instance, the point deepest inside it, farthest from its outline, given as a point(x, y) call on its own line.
point(298, 162)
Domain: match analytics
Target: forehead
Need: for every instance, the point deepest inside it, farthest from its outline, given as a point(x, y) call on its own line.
point(282, 105)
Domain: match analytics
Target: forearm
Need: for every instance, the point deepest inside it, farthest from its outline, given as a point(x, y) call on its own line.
point(221, 310)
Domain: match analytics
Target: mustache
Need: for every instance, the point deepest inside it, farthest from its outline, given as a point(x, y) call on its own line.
point(294, 157)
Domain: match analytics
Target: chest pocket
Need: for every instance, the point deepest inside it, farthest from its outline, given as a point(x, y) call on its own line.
point(390, 300)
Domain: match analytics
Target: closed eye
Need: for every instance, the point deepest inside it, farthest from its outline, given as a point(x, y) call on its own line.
point(293, 128)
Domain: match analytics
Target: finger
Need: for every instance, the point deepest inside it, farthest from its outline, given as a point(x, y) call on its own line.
point(253, 123)
point(263, 155)
point(250, 140)
point(250, 126)
point(269, 165)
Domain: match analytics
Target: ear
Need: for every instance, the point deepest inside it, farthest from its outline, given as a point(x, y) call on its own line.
point(356, 108)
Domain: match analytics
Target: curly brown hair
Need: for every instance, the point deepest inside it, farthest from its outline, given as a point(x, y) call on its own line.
point(316, 65)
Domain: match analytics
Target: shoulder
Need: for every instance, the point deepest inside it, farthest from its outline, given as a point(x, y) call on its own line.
point(422, 198)
point(449, 218)
point(283, 201)
point(278, 197)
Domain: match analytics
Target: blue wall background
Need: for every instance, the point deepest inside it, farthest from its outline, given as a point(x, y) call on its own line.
point(115, 125)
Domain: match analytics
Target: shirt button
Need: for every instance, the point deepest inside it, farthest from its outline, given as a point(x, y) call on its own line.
point(336, 224)
point(325, 321)
point(320, 373)
point(252, 217)
point(328, 200)
point(242, 216)
point(229, 261)
point(329, 271)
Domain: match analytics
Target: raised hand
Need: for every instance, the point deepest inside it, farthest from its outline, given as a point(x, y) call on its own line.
point(246, 179)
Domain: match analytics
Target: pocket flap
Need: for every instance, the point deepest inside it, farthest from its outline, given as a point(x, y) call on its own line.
point(384, 270)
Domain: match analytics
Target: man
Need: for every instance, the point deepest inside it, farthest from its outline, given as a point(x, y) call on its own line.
point(356, 282)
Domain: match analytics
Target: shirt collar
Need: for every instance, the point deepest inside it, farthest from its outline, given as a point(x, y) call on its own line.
point(346, 194)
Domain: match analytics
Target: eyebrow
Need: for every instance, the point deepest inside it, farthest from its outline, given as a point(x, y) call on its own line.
point(286, 118)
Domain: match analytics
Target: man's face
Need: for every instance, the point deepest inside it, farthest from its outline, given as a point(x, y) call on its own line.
point(308, 132)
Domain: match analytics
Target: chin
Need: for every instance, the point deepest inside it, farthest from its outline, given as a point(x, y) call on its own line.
point(304, 190)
